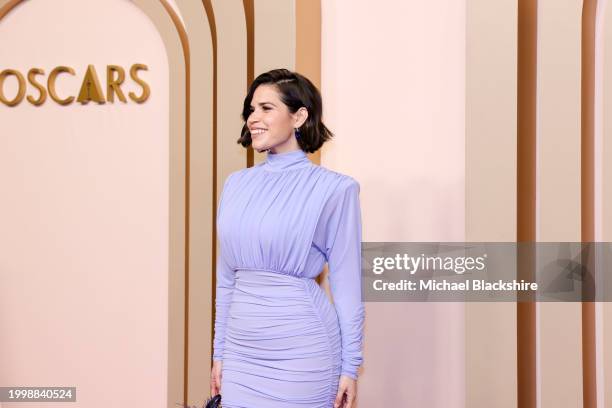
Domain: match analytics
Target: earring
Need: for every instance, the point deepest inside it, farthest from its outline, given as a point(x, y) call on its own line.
point(297, 133)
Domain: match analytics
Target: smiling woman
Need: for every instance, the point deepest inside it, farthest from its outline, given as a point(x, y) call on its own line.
point(279, 342)
point(282, 112)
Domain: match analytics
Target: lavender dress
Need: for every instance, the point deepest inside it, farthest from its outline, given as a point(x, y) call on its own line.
point(282, 343)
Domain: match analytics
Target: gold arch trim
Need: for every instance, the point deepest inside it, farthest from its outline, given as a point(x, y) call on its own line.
point(187, 55)
point(587, 197)
point(210, 14)
point(526, 194)
point(249, 15)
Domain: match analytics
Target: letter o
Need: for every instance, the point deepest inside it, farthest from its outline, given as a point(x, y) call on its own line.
point(22, 87)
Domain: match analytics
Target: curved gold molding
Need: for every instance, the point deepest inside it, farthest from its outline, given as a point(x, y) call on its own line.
point(8, 7)
point(201, 181)
point(210, 14)
point(169, 24)
point(186, 54)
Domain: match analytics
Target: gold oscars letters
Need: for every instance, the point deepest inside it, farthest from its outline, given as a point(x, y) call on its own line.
point(90, 89)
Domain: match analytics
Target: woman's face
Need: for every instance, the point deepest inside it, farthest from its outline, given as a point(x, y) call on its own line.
point(270, 122)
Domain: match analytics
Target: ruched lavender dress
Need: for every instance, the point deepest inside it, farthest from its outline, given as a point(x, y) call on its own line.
point(282, 343)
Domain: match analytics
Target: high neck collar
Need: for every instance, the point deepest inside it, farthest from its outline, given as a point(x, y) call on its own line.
point(294, 159)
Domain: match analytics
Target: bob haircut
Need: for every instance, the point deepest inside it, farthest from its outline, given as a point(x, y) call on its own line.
point(295, 91)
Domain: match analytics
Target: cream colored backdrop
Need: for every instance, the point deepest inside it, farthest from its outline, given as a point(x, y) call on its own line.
point(108, 245)
point(84, 212)
point(393, 85)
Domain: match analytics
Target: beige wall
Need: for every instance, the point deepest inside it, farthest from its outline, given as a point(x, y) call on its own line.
point(84, 270)
point(231, 37)
point(558, 186)
point(274, 39)
point(490, 168)
point(422, 99)
point(393, 89)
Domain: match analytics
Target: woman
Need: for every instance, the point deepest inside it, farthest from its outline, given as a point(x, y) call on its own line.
point(279, 342)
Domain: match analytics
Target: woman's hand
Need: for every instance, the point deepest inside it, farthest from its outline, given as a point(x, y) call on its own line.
point(347, 391)
point(215, 378)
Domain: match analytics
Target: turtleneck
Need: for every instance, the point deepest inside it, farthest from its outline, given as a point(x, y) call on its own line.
point(294, 159)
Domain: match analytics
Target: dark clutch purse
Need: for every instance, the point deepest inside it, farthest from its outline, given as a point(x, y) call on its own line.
point(214, 402)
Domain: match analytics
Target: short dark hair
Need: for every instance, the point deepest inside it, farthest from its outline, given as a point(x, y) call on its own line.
point(295, 91)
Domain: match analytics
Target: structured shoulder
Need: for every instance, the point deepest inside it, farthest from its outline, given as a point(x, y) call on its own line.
point(342, 181)
point(240, 172)
point(334, 179)
point(236, 175)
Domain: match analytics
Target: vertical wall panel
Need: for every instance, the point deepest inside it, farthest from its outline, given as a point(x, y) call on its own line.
point(396, 103)
point(605, 189)
point(599, 119)
point(308, 46)
point(231, 49)
point(274, 39)
point(274, 35)
point(491, 100)
point(173, 35)
point(201, 173)
point(231, 78)
point(558, 191)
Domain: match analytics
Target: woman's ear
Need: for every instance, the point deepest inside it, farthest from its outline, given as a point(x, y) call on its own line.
point(301, 115)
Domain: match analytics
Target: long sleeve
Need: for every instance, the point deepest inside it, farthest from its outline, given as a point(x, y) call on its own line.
point(343, 251)
point(224, 292)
